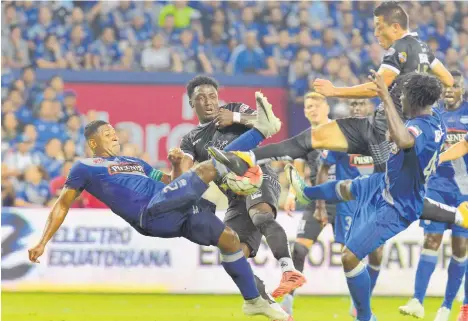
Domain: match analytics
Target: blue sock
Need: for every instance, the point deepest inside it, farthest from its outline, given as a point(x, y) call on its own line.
point(245, 142)
point(359, 286)
point(456, 270)
point(426, 266)
point(465, 300)
point(239, 269)
point(327, 192)
point(374, 272)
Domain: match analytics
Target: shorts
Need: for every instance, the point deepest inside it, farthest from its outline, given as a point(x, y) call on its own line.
point(309, 227)
point(178, 211)
point(376, 221)
point(237, 216)
point(365, 138)
point(450, 199)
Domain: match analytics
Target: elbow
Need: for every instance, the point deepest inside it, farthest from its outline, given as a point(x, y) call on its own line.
point(404, 142)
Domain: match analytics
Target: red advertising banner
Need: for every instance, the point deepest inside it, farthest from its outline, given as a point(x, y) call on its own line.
point(157, 116)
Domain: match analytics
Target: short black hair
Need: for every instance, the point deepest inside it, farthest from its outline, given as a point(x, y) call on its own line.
point(392, 13)
point(456, 73)
point(92, 127)
point(421, 89)
point(198, 81)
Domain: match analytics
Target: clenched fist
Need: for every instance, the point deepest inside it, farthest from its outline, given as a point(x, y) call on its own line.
point(175, 156)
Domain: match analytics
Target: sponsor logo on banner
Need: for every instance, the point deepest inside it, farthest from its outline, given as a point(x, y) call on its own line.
point(96, 250)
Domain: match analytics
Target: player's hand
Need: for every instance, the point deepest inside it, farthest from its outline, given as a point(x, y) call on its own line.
point(324, 87)
point(36, 252)
point(175, 156)
point(225, 118)
point(321, 215)
point(377, 79)
point(290, 204)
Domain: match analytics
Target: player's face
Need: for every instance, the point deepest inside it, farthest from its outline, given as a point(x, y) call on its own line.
point(359, 108)
point(205, 101)
point(452, 95)
point(316, 110)
point(383, 32)
point(107, 141)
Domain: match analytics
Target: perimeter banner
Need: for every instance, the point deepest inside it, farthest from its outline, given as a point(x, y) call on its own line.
point(95, 250)
point(158, 116)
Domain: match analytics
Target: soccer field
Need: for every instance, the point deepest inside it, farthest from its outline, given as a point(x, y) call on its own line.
point(135, 307)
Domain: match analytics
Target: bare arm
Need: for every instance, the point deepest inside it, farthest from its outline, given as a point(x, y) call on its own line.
point(207, 68)
point(398, 131)
point(439, 70)
point(456, 151)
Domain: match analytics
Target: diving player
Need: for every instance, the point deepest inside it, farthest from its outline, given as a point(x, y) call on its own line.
point(132, 190)
point(252, 216)
point(448, 186)
point(387, 202)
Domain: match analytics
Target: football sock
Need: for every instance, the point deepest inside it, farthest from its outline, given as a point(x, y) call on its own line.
point(299, 254)
point(456, 270)
point(359, 286)
point(426, 266)
point(295, 147)
point(438, 212)
point(374, 272)
point(238, 268)
point(245, 142)
point(329, 191)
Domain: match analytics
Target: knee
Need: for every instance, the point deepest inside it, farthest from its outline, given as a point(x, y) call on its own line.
point(432, 241)
point(345, 190)
point(348, 259)
point(459, 247)
point(261, 214)
point(229, 241)
point(375, 258)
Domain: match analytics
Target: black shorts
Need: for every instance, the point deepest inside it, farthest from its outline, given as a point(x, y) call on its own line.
point(367, 137)
point(309, 228)
point(237, 216)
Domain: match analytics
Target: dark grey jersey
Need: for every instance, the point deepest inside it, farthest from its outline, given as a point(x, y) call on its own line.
point(313, 160)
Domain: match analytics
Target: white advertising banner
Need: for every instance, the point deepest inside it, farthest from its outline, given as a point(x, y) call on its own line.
point(95, 250)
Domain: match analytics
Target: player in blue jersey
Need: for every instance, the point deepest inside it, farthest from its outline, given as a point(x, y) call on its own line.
point(387, 202)
point(448, 186)
point(132, 189)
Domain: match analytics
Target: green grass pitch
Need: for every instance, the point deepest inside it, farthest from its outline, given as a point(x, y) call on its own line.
point(164, 307)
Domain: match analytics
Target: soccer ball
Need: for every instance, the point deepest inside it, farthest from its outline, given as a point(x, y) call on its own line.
point(247, 184)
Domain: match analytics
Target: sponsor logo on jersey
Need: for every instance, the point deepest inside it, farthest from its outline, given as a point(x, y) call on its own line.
point(423, 59)
point(415, 130)
point(402, 57)
point(243, 108)
point(126, 168)
point(454, 136)
point(464, 120)
point(390, 52)
point(98, 160)
point(360, 161)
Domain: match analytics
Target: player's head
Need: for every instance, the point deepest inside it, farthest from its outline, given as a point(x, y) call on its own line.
point(102, 138)
point(454, 95)
point(360, 107)
point(203, 96)
point(316, 108)
point(419, 94)
point(390, 23)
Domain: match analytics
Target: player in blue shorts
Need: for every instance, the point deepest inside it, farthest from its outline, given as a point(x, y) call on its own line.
point(448, 186)
point(387, 202)
point(132, 189)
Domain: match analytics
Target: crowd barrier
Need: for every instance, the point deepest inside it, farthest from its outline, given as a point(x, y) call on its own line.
point(96, 251)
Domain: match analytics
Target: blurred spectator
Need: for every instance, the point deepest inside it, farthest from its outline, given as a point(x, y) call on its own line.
point(52, 158)
point(181, 12)
point(29, 11)
point(77, 50)
point(34, 190)
point(216, 49)
point(56, 82)
point(248, 57)
point(32, 88)
point(30, 134)
point(9, 127)
point(374, 60)
point(282, 54)
point(16, 49)
point(47, 125)
point(77, 19)
point(121, 16)
point(21, 156)
point(10, 19)
point(445, 35)
point(168, 30)
point(50, 54)
point(44, 26)
point(69, 150)
point(189, 55)
point(137, 34)
point(69, 105)
point(297, 77)
point(248, 23)
point(74, 132)
point(106, 54)
point(271, 30)
point(452, 60)
point(330, 46)
point(160, 57)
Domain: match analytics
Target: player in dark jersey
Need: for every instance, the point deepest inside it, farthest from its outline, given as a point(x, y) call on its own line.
point(387, 202)
point(449, 185)
point(132, 190)
point(252, 216)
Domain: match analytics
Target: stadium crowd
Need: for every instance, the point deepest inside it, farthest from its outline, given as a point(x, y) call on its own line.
point(41, 124)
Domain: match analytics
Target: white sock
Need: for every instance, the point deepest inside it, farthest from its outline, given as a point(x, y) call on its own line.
point(286, 264)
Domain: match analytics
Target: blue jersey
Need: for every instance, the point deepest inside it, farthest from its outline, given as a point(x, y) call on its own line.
point(453, 176)
point(408, 170)
point(124, 184)
point(348, 166)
